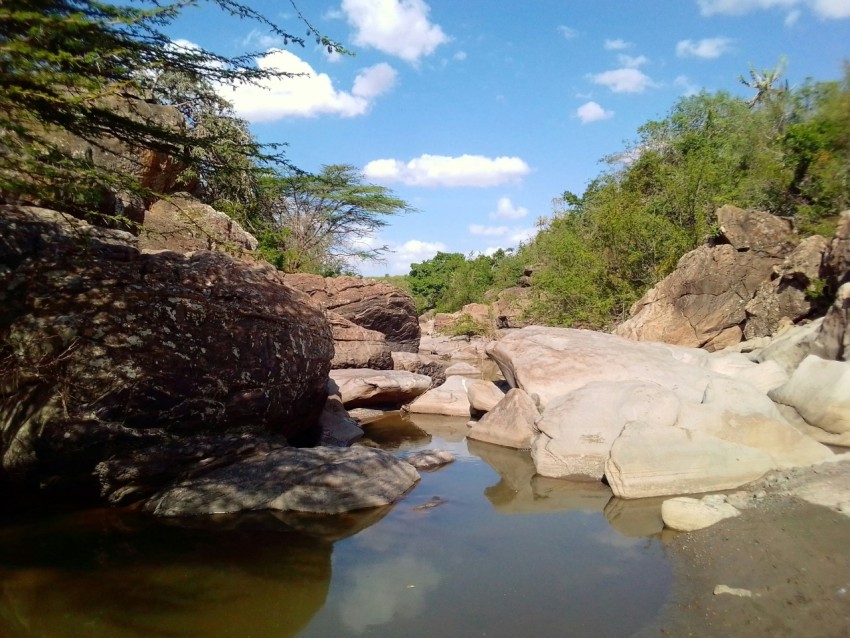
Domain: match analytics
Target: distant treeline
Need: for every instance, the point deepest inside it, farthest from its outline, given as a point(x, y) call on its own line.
point(785, 151)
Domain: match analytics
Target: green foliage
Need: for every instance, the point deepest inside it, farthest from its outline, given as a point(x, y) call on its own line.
point(430, 279)
point(320, 223)
point(66, 66)
point(785, 151)
point(467, 326)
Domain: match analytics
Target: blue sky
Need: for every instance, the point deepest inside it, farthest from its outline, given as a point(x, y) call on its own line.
point(479, 113)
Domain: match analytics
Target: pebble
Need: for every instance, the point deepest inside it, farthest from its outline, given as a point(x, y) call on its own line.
point(732, 591)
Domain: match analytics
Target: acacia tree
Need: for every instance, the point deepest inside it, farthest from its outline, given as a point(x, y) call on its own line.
point(63, 65)
point(322, 223)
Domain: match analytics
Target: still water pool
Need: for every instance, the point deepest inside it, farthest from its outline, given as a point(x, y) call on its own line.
point(481, 547)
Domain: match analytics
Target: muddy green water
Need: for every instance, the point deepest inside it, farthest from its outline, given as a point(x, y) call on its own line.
point(480, 547)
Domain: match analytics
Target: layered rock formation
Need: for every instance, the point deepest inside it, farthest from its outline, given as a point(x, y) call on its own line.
point(754, 277)
point(370, 304)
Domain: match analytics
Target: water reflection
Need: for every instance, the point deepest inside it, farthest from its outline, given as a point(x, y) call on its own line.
point(395, 588)
point(107, 574)
point(508, 553)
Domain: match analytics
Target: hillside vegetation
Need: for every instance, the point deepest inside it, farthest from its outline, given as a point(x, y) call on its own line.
point(785, 151)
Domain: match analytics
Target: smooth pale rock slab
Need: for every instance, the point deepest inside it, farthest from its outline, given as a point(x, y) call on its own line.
point(427, 460)
point(820, 392)
point(449, 399)
point(654, 460)
point(734, 412)
point(484, 395)
point(364, 387)
point(552, 362)
point(577, 430)
point(509, 423)
point(689, 514)
point(789, 348)
point(462, 368)
point(322, 480)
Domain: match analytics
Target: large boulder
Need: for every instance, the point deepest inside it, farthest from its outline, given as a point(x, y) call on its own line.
point(449, 399)
point(358, 347)
point(107, 350)
point(786, 296)
point(364, 387)
point(755, 231)
point(183, 224)
point(578, 429)
point(651, 418)
point(371, 304)
point(704, 302)
point(420, 364)
point(321, 480)
point(552, 362)
point(820, 391)
point(838, 262)
point(509, 423)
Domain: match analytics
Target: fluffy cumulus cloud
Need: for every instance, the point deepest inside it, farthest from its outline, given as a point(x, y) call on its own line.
point(442, 170)
point(626, 80)
point(616, 45)
point(592, 112)
point(707, 48)
point(308, 94)
point(632, 61)
point(396, 27)
point(829, 9)
point(505, 209)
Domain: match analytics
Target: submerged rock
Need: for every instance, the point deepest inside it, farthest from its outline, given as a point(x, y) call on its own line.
point(689, 514)
point(322, 480)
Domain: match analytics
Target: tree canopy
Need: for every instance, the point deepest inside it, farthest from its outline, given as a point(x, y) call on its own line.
point(322, 223)
point(65, 64)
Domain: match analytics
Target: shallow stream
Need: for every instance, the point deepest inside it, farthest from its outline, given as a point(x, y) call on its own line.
point(480, 547)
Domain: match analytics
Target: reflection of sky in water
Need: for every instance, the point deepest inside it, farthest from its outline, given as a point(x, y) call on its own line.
point(395, 588)
point(504, 553)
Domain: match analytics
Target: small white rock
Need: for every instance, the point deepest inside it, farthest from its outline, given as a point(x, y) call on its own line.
point(732, 591)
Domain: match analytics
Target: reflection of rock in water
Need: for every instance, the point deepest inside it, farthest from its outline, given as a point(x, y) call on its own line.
point(637, 517)
point(392, 589)
point(396, 432)
point(521, 492)
point(452, 429)
point(111, 575)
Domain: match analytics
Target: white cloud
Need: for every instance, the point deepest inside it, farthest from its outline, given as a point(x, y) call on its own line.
point(441, 170)
point(631, 61)
point(707, 48)
point(460, 56)
point(488, 231)
point(396, 27)
point(624, 80)
point(688, 87)
point(829, 9)
point(262, 41)
point(592, 112)
point(506, 210)
point(308, 95)
point(523, 234)
point(567, 32)
point(616, 45)
point(792, 17)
